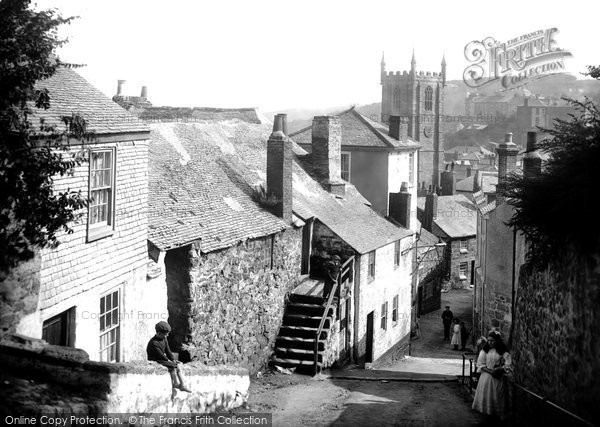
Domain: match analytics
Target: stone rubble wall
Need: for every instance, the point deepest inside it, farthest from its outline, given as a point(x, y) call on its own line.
point(227, 303)
point(556, 346)
point(135, 387)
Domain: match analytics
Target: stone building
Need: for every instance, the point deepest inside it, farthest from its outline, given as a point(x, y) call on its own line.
point(492, 106)
point(500, 249)
point(97, 290)
point(374, 158)
point(418, 98)
point(452, 218)
point(242, 218)
point(537, 113)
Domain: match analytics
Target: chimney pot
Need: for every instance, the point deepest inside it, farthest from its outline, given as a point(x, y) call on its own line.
point(281, 119)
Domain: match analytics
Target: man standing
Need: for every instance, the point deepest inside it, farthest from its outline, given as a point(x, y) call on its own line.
point(158, 351)
point(447, 317)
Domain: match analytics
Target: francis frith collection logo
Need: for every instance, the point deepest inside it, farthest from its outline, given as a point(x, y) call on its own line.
point(515, 62)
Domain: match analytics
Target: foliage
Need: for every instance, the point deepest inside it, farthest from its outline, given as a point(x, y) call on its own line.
point(31, 212)
point(557, 209)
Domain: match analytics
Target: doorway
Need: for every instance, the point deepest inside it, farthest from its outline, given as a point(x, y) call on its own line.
point(369, 353)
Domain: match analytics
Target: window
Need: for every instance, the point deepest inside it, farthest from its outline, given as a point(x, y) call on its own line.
point(428, 98)
point(371, 265)
point(397, 253)
point(346, 166)
point(384, 313)
point(463, 267)
point(60, 329)
point(411, 168)
point(263, 248)
point(395, 310)
point(396, 97)
point(110, 327)
point(464, 246)
point(102, 194)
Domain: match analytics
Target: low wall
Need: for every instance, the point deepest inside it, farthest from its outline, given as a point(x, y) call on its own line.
point(135, 387)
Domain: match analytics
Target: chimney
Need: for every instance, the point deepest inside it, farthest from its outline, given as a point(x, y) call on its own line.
point(431, 207)
point(526, 101)
point(327, 153)
point(120, 86)
point(400, 206)
point(144, 92)
point(283, 118)
point(507, 162)
point(279, 170)
point(448, 181)
point(532, 161)
point(468, 171)
point(398, 128)
point(476, 179)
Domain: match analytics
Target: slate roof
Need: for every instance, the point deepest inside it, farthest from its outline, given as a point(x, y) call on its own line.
point(250, 115)
point(487, 185)
point(359, 131)
point(70, 93)
point(202, 176)
point(456, 215)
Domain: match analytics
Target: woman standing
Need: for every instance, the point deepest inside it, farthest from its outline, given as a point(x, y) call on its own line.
point(490, 396)
point(455, 334)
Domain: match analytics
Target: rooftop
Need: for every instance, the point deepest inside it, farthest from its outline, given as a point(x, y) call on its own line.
point(203, 176)
point(359, 131)
point(456, 215)
point(72, 94)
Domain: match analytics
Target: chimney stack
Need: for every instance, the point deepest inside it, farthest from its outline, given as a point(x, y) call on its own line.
point(431, 207)
point(532, 161)
point(507, 162)
point(476, 179)
point(398, 128)
point(448, 181)
point(144, 93)
point(279, 170)
point(469, 171)
point(120, 86)
point(327, 153)
point(400, 206)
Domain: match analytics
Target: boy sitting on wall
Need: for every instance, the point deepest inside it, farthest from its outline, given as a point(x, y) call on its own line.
point(158, 351)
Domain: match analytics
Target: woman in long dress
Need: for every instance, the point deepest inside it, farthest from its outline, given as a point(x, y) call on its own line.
point(456, 334)
point(490, 395)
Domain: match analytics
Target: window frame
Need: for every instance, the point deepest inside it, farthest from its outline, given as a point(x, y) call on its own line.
point(464, 246)
point(99, 230)
point(428, 98)
point(396, 99)
point(395, 310)
point(371, 266)
point(346, 154)
point(384, 314)
point(411, 169)
point(66, 321)
point(397, 255)
point(102, 316)
point(460, 270)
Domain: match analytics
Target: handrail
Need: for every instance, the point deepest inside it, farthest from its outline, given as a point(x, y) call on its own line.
point(554, 405)
point(327, 307)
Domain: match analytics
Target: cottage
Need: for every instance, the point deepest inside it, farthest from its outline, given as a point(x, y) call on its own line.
point(374, 158)
point(241, 217)
point(96, 291)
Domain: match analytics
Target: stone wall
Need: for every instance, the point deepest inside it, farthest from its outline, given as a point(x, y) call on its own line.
point(556, 346)
point(227, 303)
point(103, 388)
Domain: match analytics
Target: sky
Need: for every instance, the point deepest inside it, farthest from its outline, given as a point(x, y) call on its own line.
point(278, 55)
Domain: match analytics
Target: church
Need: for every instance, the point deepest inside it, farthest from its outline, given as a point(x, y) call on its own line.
point(418, 98)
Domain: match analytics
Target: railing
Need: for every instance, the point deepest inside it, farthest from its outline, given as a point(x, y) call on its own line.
point(346, 271)
point(545, 400)
point(470, 379)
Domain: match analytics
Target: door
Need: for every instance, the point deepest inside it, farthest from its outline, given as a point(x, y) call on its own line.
point(473, 273)
point(369, 354)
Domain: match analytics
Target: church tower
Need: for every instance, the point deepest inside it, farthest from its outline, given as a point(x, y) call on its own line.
point(418, 97)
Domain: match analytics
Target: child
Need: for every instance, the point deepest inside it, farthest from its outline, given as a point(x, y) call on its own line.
point(158, 351)
point(455, 334)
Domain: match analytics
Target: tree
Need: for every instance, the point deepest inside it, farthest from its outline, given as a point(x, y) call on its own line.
point(31, 212)
point(557, 210)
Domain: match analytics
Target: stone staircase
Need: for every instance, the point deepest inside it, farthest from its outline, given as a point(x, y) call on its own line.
point(294, 347)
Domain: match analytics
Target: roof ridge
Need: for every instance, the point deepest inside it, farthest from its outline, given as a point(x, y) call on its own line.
point(373, 129)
